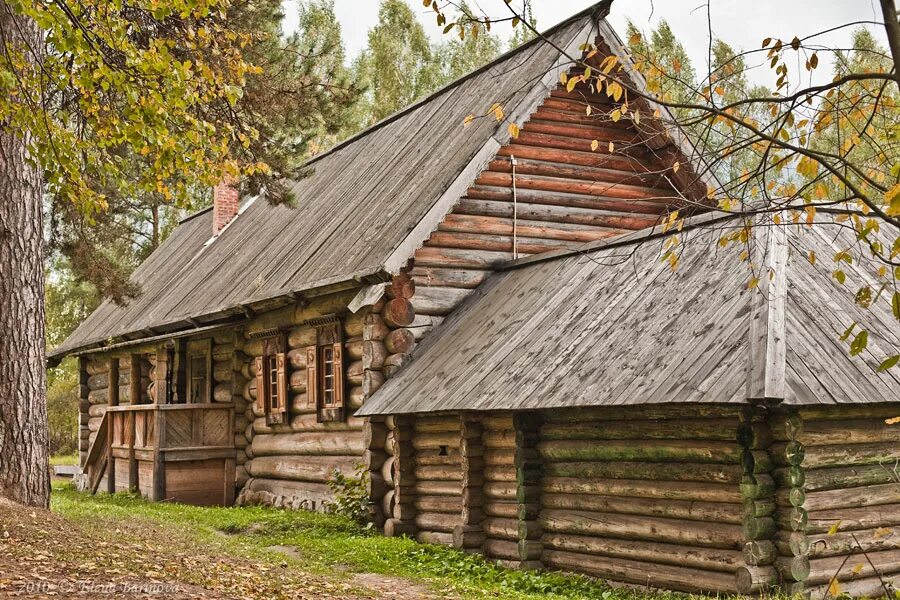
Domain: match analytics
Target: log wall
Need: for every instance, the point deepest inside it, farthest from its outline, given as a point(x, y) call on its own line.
point(837, 500)
point(289, 465)
point(643, 497)
point(570, 189)
point(500, 506)
point(437, 463)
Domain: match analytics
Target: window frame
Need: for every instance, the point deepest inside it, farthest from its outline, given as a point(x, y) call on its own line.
point(272, 375)
point(198, 349)
point(329, 340)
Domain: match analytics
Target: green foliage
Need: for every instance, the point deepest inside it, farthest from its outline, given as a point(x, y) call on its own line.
point(397, 67)
point(351, 494)
point(62, 408)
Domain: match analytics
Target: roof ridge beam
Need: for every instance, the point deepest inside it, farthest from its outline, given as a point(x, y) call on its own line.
point(768, 305)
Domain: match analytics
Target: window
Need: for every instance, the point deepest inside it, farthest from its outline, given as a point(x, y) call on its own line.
point(199, 371)
point(325, 371)
point(272, 380)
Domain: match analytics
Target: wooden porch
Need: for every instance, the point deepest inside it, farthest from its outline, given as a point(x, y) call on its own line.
point(178, 452)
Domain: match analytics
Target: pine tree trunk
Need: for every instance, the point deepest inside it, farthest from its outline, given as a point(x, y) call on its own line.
point(24, 471)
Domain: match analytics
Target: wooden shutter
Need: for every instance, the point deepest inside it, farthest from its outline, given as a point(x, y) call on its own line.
point(338, 374)
point(282, 373)
point(312, 377)
point(260, 386)
point(338, 348)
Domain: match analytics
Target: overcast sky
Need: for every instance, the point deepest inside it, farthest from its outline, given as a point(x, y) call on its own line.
point(741, 24)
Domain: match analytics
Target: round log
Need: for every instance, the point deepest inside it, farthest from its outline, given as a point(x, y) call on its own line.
point(641, 573)
point(760, 552)
point(374, 354)
point(630, 429)
point(356, 398)
point(439, 472)
point(249, 391)
point(870, 495)
point(436, 424)
point(300, 404)
point(97, 410)
point(398, 313)
point(387, 470)
point(95, 367)
point(756, 579)
point(847, 477)
point(648, 552)
point(300, 337)
point(222, 393)
point(355, 323)
point(850, 542)
point(634, 450)
point(501, 549)
point(223, 352)
point(442, 522)
point(302, 468)
point(375, 328)
point(372, 381)
point(421, 441)
point(354, 348)
point(297, 358)
point(704, 492)
point(394, 363)
point(400, 341)
point(375, 435)
point(401, 286)
point(439, 504)
point(98, 396)
point(222, 372)
point(339, 443)
point(792, 543)
point(387, 502)
point(620, 526)
point(307, 423)
point(644, 470)
point(355, 373)
point(852, 519)
point(298, 380)
point(98, 382)
point(794, 568)
point(438, 488)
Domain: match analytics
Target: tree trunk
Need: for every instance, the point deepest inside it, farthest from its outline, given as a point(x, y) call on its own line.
point(24, 470)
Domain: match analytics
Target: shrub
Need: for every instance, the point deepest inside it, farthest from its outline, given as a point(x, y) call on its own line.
point(351, 495)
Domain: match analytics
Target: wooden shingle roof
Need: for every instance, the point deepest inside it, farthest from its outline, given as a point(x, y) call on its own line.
point(370, 202)
point(613, 325)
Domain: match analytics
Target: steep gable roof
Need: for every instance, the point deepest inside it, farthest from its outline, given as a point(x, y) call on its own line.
point(613, 325)
point(369, 202)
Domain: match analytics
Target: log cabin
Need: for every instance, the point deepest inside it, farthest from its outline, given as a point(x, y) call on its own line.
point(576, 407)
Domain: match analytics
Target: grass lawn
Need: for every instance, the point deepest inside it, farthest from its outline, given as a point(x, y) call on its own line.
point(64, 459)
point(259, 552)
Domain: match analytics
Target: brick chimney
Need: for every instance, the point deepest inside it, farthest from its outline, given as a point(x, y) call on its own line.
point(225, 205)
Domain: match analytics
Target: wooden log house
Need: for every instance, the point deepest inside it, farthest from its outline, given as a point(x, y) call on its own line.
point(568, 413)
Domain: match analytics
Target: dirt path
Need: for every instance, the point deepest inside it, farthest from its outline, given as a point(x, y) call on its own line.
point(45, 555)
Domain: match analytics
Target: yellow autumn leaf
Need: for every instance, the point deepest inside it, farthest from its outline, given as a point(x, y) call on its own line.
point(892, 420)
point(594, 145)
point(857, 568)
point(513, 130)
point(834, 528)
point(615, 115)
point(636, 115)
point(883, 531)
point(834, 588)
point(676, 166)
point(468, 120)
point(754, 281)
point(612, 147)
point(892, 200)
